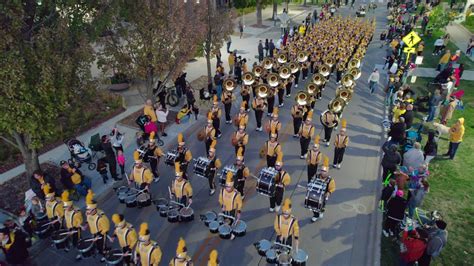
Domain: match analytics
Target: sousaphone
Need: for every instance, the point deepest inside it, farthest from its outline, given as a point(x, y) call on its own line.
point(347, 80)
point(355, 72)
point(229, 84)
point(344, 94)
point(248, 78)
point(302, 98)
point(281, 58)
point(312, 88)
point(329, 61)
point(302, 57)
point(267, 63)
point(262, 90)
point(293, 67)
point(273, 80)
point(337, 105)
point(318, 79)
point(258, 71)
point(325, 70)
point(285, 72)
point(354, 63)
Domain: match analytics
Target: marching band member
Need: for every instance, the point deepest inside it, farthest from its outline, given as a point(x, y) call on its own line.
point(330, 188)
point(258, 105)
point(216, 116)
point(73, 221)
point(213, 258)
point(281, 92)
point(181, 258)
point(181, 188)
point(339, 71)
point(270, 100)
point(282, 179)
point(329, 120)
point(184, 155)
point(243, 172)
point(340, 145)
point(54, 208)
point(242, 116)
point(297, 112)
point(288, 85)
point(147, 251)
point(140, 175)
point(271, 149)
point(98, 223)
point(240, 138)
point(153, 155)
point(286, 226)
point(230, 199)
point(210, 132)
point(304, 70)
point(273, 124)
point(306, 133)
point(214, 164)
point(313, 159)
point(126, 235)
point(245, 93)
point(227, 101)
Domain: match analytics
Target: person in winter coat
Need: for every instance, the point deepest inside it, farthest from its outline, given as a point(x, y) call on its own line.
point(38, 180)
point(391, 159)
point(431, 148)
point(447, 111)
point(437, 240)
point(397, 130)
point(395, 214)
point(417, 196)
point(414, 247)
point(456, 133)
point(14, 246)
point(388, 193)
point(414, 157)
point(408, 116)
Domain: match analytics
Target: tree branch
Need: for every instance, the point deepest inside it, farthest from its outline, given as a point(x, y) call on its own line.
point(9, 141)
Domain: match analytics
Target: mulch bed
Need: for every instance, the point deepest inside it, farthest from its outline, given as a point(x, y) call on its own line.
point(129, 121)
point(12, 192)
point(5, 167)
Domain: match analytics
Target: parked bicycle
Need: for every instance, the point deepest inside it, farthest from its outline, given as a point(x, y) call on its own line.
point(166, 94)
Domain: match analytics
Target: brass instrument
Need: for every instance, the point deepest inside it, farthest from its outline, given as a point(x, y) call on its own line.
point(258, 71)
point(201, 136)
point(347, 80)
point(340, 67)
point(344, 93)
point(272, 80)
point(293, 67)
point(248, 78)
point(354, 63)
point(285, 72)
point(267, 63)
point(329, 61)
point(229, 84)
point(312, 88)
point(355, 72)
point(281, 58)
point(262, 90)
point(302, 57)
point(302, 98)
point(336, 105)
point(318, 79)
point(325, 70)
point(262, 152)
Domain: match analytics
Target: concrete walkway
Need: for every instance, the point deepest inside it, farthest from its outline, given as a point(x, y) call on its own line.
point(459, 36)
point(431, 73)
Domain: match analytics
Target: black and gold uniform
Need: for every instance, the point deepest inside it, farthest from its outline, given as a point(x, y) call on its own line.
point(240, 138)
point(210, 132)
point(271, 149)
point(297, 112)
point(184, 155)
point(242, 174)
point(126, 235)
point(54, 207)
point(230, 199)
point(141, 176)
point(329, 120)
point(227, 98)
point(340, 144)
point(216, 113)
point(286, 226)
point(99, 224)
point(72, 220)
point(313, 159)
point(181, 258)
point(258, 105)
point(282, 179)
point(181, 188)
point(147, 251)
point(330, 188)
point(214, 165)
point(306, 133)
point(153, 155)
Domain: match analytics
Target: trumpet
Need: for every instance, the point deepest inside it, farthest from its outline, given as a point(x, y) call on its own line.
point(282, 58)
point(302, 98)
point(325, 70)
point(312, 88)
point(285, 72)
point(347, 80)
point(302, 57)
point(267, 63)
point(318, 79)
point(336, 105)
point(248, 78)
point(229, 84)
point(355, 72)
point(293, 67)
point(262, 90)
point(354, 63)
point(272, 80)
point(258, 71)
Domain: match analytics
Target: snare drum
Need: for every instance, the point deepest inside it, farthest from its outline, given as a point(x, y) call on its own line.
point(214, 227)
point(114, 257)
point(86, 247)
point(122, 193)
point(315, 195)
point(60, 238)
point(171, 157)
point(271, 256)
point(209, 217)
point(43, 229)
point(173, 216)
point(300, 258)
point(161, 202)
point(224, 231)
point(266, 181)
point(222, 177)
point(239, 228)
point(186, 214)
point(131, 200)
point(143, 200)
point(262, 246)
point(201, 166)
point(284, 259)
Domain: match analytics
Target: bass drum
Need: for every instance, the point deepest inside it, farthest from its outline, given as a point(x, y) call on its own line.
point(114, 257)
point(266, 182)
point(239, 228)
point(263, 246)
point(186, 214)
point(86, 247)
point(300, 258)
point(60, 238)
point(314, 198)
point(222, 177)
point(201, 166)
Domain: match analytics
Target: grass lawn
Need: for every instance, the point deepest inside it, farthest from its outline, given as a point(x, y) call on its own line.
point(468, 26)
point(451, 190)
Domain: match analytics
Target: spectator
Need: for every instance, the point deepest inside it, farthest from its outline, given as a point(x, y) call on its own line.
point(162, 115)
point(395, 214)
point(121, 162)
point(433, 105)
point(437, 240)
point(266, 47)
point(456, 133)
point(431, 148)
point(14, 246)
point(73, 179)
point(397, 131)
point(231, 61)
point(417, 196)
point(374, 80)
point(149, 127)
point(38, 180)
point(438, 45)
point(148, 110)
point(455, 57)
point(448, 110)
point(228, 42)
point(424, 23)
point(470, 46)
point(398, 111)
point(238, 70)
point(391, 160)
point(271, 47)
point(444, 60)
point(420, 48)
point(102, 169)
point(408, 116)
point(117, 139)
point(218, 82)
point(414, 157)
point(241, 28)
point(414, 247)
point(110, 155)
point(190, 96)
point(458, 74)
point(388, 192)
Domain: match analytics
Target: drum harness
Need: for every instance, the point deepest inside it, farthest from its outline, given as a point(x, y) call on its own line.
point(292, 222)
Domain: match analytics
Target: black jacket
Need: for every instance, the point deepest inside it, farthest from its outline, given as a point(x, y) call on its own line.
point(396, 208)
point(36, 185)
point(408, 115)
point(17, 253)
point(66, 178)
point(431, 147)
point(397, 131)
point(391, 158)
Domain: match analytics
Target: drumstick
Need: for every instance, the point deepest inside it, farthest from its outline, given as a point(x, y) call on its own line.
point(68, 233)
point(169, 190)
point(93, 239)
point(110, 238)
point(122, 254)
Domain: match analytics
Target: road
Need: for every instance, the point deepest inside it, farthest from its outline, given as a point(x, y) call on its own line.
point(345, 236)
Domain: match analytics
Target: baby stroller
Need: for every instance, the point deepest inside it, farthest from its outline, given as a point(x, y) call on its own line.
point(412, 136)
point(79, 154)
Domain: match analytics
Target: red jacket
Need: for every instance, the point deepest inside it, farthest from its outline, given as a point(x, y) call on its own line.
point(415, 248)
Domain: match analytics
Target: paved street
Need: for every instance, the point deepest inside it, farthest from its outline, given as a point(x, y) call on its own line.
point(345, 236)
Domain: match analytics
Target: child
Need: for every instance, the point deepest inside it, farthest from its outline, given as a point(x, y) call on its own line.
point(102, 169)
point(121, 161)
point(183, 114)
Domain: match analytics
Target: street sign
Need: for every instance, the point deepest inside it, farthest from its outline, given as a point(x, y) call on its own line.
point(411, 39)
point(409, 50)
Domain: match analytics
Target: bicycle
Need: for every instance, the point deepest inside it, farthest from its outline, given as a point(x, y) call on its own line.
point(166, 94)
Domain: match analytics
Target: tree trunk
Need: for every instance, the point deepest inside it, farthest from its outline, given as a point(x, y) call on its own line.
point(29, 155)
point(259, 13)
point(208, 63)
point(275, 10)
point(304, 3)
point(149, 83)
point(207, 46)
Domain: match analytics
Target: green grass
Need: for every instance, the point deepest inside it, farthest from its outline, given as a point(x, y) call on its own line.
point(451, 189)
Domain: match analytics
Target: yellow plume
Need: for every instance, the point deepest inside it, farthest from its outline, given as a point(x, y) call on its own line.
point(181, 246)
point(177, 167)
point(116, 218)
point(275, 111)
point(136, 155)
point(229, 177)
point(209, 116)
point(326, 161)
point(242, 105)
point(213, 144)
point(215, 99)
point(242, 123)
point(310, 115)
point(286, 205)
point(213, 258)
point(90, 197)
point(180, 137)
point(344, 123)
point(46, 189)
point(280, 157)
point(144, 229)
point(316, 139)
point(65, 196)
point(152, 136)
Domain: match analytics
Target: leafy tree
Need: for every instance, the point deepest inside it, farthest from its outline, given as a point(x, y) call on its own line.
point(46, 56)
point(439, 18)
point(153, 38)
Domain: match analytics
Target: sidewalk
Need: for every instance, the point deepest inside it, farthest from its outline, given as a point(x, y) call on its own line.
point(431, 73)
point(459, 36)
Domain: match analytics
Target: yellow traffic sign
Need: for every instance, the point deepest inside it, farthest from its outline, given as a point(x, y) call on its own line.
point(409, 50)
point(411, 39)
